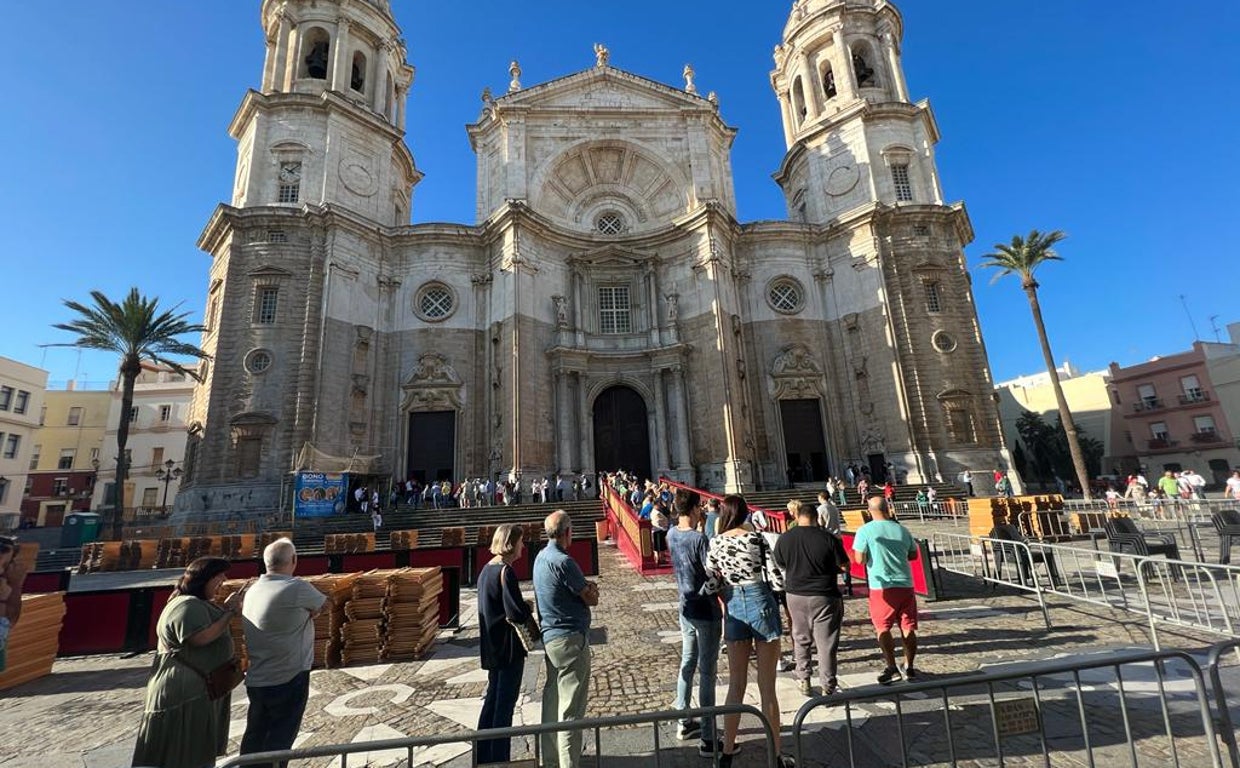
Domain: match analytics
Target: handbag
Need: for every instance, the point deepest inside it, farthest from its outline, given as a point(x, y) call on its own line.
point(528, 632)
point(221, 680)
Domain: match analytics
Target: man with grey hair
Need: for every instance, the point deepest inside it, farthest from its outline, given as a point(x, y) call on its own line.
point(278, 618)
point(564, 600)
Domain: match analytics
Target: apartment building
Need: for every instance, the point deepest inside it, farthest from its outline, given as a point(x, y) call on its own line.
point(21, 401)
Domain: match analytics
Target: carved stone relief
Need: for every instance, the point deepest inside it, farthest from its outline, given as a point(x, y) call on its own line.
point(434, 386)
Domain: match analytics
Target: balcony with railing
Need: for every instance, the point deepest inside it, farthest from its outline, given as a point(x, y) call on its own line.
point(1148, 404)
point(1194, 396)
point(1206, 437)
point(1161, 443)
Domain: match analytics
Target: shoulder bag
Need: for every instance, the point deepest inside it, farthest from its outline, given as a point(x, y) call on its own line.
point(528, 632)
point(220, 681)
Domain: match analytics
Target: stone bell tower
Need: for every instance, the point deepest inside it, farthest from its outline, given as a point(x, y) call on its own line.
point(852, 132)
point(860, 170)
point(327, 126)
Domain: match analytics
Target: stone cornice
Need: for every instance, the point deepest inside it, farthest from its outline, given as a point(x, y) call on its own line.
point(516, 212)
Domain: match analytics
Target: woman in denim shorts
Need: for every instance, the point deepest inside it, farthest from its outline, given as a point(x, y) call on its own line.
point(741, 559)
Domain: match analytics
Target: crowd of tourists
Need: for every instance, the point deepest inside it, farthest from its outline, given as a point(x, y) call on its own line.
point(472, 492)
point(738, 581)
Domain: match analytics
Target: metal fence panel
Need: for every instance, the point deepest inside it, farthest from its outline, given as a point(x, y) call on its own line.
point(594, 725)
point(1126, 708)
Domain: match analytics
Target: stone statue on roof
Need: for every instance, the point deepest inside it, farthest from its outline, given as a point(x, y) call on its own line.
point(601, 55)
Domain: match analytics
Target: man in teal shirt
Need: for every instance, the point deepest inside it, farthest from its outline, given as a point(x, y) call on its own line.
point(885, 548)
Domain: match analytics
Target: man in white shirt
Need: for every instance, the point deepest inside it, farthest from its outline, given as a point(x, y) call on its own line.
point(278, 618)
point(1233, 486)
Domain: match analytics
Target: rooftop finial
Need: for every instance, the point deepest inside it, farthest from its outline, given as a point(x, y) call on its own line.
point(601, 55)
point(514, 69)
point(688, 73)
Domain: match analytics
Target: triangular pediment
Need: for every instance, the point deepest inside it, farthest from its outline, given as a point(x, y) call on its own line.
point(603, 88)
point(612, 256)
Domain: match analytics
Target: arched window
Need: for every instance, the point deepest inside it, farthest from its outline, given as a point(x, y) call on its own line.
point(798, 100)
point(317, 50)
point(357, 78)
point(828, 81)
point(867, 77)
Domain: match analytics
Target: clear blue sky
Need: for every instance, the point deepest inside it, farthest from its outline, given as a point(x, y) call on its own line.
point(1116, 122)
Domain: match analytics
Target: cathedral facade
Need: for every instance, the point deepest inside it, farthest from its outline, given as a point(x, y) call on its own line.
point(607, 309)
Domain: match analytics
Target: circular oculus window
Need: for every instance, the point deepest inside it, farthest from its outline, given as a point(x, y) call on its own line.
point(786, 296)
point(258, 361)
point(434, 302)
point(943, 341)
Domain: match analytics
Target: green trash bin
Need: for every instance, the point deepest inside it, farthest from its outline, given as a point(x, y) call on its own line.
point(80, 528)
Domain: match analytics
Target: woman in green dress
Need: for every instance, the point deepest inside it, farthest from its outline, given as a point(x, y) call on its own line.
point(181, 726)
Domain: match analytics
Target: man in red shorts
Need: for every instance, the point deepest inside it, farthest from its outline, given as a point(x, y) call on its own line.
point(885, 548)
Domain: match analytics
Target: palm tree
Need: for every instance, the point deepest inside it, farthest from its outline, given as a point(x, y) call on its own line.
point(1021, 257)
point(138, 330)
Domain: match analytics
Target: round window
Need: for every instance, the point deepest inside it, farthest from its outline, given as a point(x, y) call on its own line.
point(943, 341)
point(610, 223)
point(258, 361)
point(434, 302)
point(785, 295)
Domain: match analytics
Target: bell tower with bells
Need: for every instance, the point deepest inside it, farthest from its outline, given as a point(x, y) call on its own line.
point(853, 136)
point(326, 127)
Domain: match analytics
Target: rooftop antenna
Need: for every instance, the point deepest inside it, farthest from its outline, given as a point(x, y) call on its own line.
point(1218, 334)
point(1196, 336)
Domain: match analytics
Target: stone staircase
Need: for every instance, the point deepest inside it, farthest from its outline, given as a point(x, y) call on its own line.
point(308, 533)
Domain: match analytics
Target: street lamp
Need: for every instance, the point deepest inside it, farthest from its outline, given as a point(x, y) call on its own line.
point(167, 475)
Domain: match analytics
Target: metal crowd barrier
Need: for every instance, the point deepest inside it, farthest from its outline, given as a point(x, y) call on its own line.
point(997, 561)
point(595, 724)
point(1199, 596)
point(1019, 711)
point(1226, 724)
point(1194, 595)
point(955, 511)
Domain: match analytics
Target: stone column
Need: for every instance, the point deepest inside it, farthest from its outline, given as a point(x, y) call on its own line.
point(680, 411)
point(812, 86)
point(786, 109)
point(564, 419)
point(277, 71)
point(586, 420)
point(293, 59)
point(400, 108)
point(893, 64)
point(338, 78)
point(845, 78)
point(376, 84)
point(661, 425)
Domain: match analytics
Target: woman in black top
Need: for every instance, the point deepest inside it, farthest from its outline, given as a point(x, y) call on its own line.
point(499, 600)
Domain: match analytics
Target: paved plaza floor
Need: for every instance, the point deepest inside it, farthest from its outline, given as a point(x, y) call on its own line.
point(86, 713)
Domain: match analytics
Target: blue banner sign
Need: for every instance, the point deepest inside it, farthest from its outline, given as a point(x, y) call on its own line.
point(319, 494)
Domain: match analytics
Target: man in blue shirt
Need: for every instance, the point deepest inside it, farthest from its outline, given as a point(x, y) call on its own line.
point(564, 600)
point(700, 620)
point(885, 548)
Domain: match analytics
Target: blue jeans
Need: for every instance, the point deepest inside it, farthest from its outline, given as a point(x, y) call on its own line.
point(699, 651)
point(753, 613)
point(503, 688)
point(275, 715)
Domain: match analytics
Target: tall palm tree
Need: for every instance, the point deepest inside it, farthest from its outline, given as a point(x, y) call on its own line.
point(1021, 257)
point(138, 330)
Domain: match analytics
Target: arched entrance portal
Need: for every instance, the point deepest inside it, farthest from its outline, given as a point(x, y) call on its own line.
point(621, 433)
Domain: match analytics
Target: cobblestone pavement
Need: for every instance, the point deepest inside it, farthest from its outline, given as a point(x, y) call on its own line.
point(86, 713)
